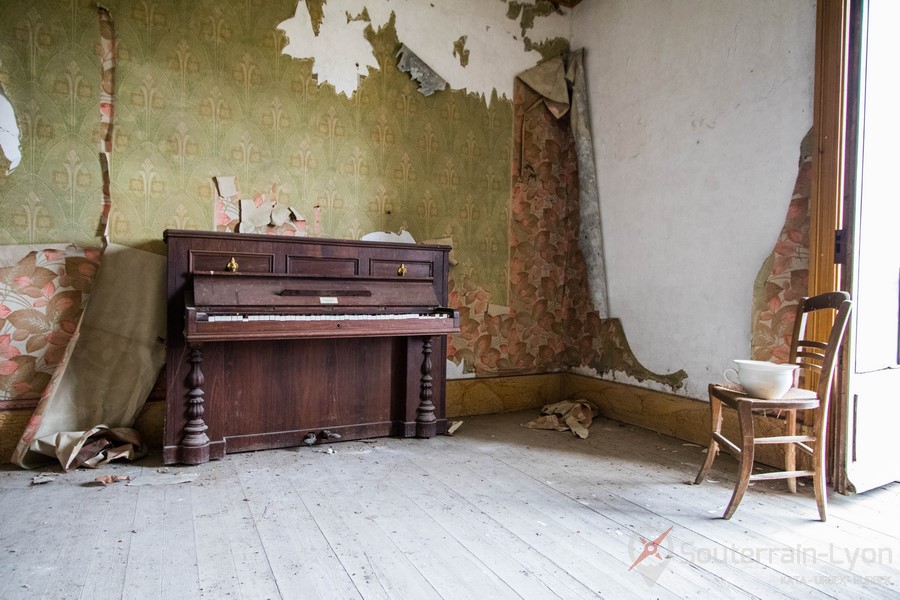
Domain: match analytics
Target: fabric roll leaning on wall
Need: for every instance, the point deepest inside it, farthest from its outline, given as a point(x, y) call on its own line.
point(109, 368)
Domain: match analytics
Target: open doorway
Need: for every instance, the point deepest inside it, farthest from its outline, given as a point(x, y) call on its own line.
point(871, 221)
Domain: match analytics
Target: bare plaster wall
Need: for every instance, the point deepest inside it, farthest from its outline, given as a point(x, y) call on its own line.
point(698, 110)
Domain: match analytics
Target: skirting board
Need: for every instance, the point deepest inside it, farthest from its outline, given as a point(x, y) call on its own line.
point(683, 418)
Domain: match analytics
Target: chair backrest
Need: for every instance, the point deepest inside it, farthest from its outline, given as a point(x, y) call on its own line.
point(818, 359)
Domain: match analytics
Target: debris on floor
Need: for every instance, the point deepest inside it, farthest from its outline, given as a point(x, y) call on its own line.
point(43, 478)
point(163, 478)
point(453, 427)
point(569, 415)
point(110, 479)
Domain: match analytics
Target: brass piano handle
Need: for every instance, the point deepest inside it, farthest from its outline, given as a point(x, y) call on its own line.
point(402, 270)
point(232, 265)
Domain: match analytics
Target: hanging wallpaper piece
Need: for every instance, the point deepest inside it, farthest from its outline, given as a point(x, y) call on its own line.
point(429, 81)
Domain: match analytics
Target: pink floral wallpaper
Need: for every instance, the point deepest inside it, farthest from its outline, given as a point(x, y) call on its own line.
point(784, 277)
point(42, 296)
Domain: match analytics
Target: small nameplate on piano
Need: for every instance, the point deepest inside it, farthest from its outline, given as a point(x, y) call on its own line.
point(328, 300)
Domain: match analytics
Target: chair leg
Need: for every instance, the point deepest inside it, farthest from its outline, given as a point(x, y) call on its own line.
point(790, 451)
point(745, 421)
point(819, 478)
point(715, 412)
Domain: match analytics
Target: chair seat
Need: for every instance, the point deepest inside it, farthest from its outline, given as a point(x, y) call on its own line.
point(794, 399)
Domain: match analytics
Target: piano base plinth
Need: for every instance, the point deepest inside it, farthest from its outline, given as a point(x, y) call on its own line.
point(216, 450)
point(193, 455)
point(426, 430)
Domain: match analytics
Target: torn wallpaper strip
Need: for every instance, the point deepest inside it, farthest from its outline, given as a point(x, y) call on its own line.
point(107, 113)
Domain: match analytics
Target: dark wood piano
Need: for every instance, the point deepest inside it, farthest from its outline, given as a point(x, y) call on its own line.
point(279, 341)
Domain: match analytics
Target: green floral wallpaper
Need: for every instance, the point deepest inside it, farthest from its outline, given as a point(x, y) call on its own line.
point(204, 90)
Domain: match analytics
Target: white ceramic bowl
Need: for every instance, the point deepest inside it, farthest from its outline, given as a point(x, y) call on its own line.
point(762, 379)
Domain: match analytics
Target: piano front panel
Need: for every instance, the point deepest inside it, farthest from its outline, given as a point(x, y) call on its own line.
point(277, 391)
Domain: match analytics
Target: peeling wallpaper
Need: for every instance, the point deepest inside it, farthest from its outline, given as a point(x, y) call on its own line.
point(478, 46)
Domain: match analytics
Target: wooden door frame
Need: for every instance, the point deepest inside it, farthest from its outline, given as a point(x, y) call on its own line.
point(829, 125)
point(828, 197)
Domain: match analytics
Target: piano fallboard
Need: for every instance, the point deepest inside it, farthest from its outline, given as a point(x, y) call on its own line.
point(200, 326)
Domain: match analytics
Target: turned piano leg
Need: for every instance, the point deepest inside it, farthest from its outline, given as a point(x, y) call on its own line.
point(426, 422)
point(195, 445)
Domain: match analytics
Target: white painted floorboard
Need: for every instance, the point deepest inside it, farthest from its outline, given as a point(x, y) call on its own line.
point(496, 511)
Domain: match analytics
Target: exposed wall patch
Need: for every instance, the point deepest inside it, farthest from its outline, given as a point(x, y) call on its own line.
point(340, 69)
point(480, 58)
point(9, 133)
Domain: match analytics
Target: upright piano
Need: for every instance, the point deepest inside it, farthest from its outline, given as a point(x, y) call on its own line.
point(278, 341)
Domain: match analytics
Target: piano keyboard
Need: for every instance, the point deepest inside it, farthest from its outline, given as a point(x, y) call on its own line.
point(378, 317)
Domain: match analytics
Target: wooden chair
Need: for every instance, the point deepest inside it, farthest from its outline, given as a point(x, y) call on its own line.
point(817, 362)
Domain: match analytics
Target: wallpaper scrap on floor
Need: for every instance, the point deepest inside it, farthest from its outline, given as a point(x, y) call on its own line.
point(784, 277)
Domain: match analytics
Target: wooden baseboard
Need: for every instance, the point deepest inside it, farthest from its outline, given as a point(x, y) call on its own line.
point(12, 426)
point(676, 416)
point(491, 395)
point(683, 418)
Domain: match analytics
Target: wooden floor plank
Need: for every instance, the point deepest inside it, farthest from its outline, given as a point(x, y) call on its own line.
point(764, 527)
point(365, 549)
point(496, 511)
point(144, 569)
point(110, 550)
point(603, 539)
point(517, 562)
point(783, 517)
point(303, 563)
point(231, 560)
point(628, 520)
point(450, 568)
point(37, 525)
point(624, 492)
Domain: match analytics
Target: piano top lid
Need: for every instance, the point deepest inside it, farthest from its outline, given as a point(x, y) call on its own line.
point(236, 290)
point(234, 237)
